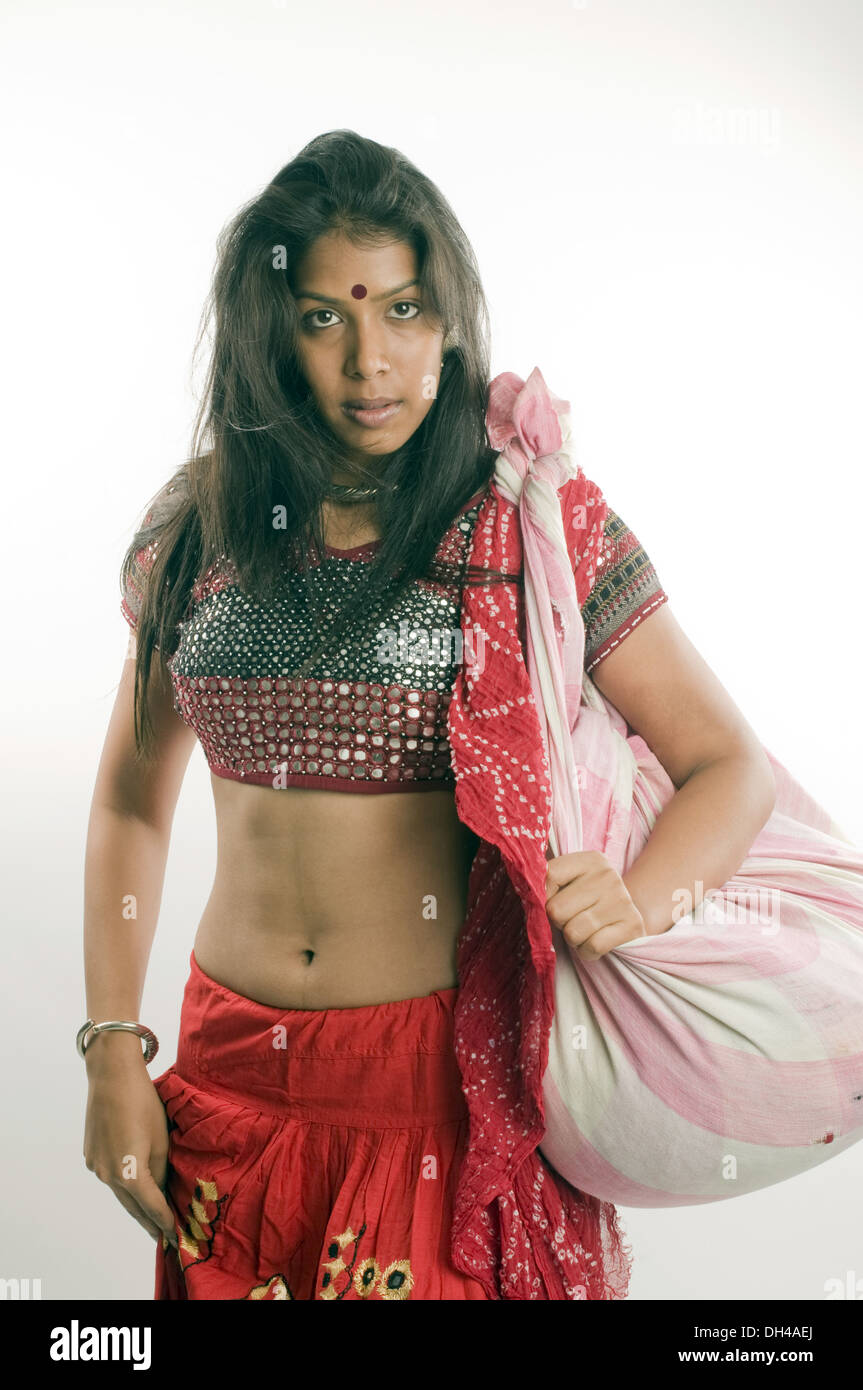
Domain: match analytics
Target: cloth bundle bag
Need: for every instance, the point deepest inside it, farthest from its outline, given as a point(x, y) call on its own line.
point(726, 1054)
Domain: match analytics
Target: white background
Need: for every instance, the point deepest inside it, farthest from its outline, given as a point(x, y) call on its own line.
point(665, 201)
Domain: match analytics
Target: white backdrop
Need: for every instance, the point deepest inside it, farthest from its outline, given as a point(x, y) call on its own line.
point(665, 201)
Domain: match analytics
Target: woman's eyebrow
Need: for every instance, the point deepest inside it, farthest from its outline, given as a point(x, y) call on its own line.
point(312, 294)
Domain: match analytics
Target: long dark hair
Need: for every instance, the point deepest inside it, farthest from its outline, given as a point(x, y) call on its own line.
point(259, 441)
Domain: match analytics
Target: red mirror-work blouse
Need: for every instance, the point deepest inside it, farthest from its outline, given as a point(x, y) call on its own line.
point(373, 717)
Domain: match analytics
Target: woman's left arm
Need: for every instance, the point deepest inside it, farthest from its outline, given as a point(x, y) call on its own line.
point(725, 793)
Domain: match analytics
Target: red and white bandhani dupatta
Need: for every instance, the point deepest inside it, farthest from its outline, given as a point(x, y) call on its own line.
point(726, 1054)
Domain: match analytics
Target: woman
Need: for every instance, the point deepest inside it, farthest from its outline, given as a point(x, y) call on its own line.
point(353, 1110)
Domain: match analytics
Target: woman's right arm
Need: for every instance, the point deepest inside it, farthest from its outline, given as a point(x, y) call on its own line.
point(126, 1141)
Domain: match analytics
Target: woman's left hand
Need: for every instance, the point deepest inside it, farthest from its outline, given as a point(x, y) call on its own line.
point(588, 900)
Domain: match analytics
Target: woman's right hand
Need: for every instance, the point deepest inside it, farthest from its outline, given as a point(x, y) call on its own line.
point(126, 1132)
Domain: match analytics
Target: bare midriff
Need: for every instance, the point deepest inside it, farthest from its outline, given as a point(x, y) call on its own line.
point(329, 899)
point(332, 899)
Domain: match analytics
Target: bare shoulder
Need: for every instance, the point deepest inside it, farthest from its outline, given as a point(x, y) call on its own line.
point(668, 694)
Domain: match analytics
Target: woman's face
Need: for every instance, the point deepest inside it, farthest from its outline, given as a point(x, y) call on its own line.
point(364, 337)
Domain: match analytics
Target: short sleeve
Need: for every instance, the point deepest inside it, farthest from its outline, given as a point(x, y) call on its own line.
point(625, 591)
point(135, 582)
point(142, 556)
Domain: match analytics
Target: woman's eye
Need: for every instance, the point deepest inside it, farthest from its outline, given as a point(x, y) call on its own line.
point(407, 304)
point(312, 316)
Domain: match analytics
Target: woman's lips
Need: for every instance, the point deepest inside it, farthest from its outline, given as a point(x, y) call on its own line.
point(372, 418)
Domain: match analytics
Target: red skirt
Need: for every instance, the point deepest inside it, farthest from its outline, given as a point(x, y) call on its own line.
point(314, 1153)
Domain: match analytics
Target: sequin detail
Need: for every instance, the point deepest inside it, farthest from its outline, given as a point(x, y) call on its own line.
point(370, 717)
point(374, 715)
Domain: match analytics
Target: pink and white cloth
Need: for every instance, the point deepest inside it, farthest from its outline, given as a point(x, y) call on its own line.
point(726, 1054)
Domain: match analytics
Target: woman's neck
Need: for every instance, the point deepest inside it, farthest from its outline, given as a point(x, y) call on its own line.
point(348, 525)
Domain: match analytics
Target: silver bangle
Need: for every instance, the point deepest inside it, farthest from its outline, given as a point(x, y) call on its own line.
point(151, 1042)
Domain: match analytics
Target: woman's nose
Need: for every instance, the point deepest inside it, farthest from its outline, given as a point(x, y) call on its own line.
point(368, 354)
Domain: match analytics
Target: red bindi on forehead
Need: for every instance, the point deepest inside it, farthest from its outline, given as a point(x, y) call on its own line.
point(359, 291)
